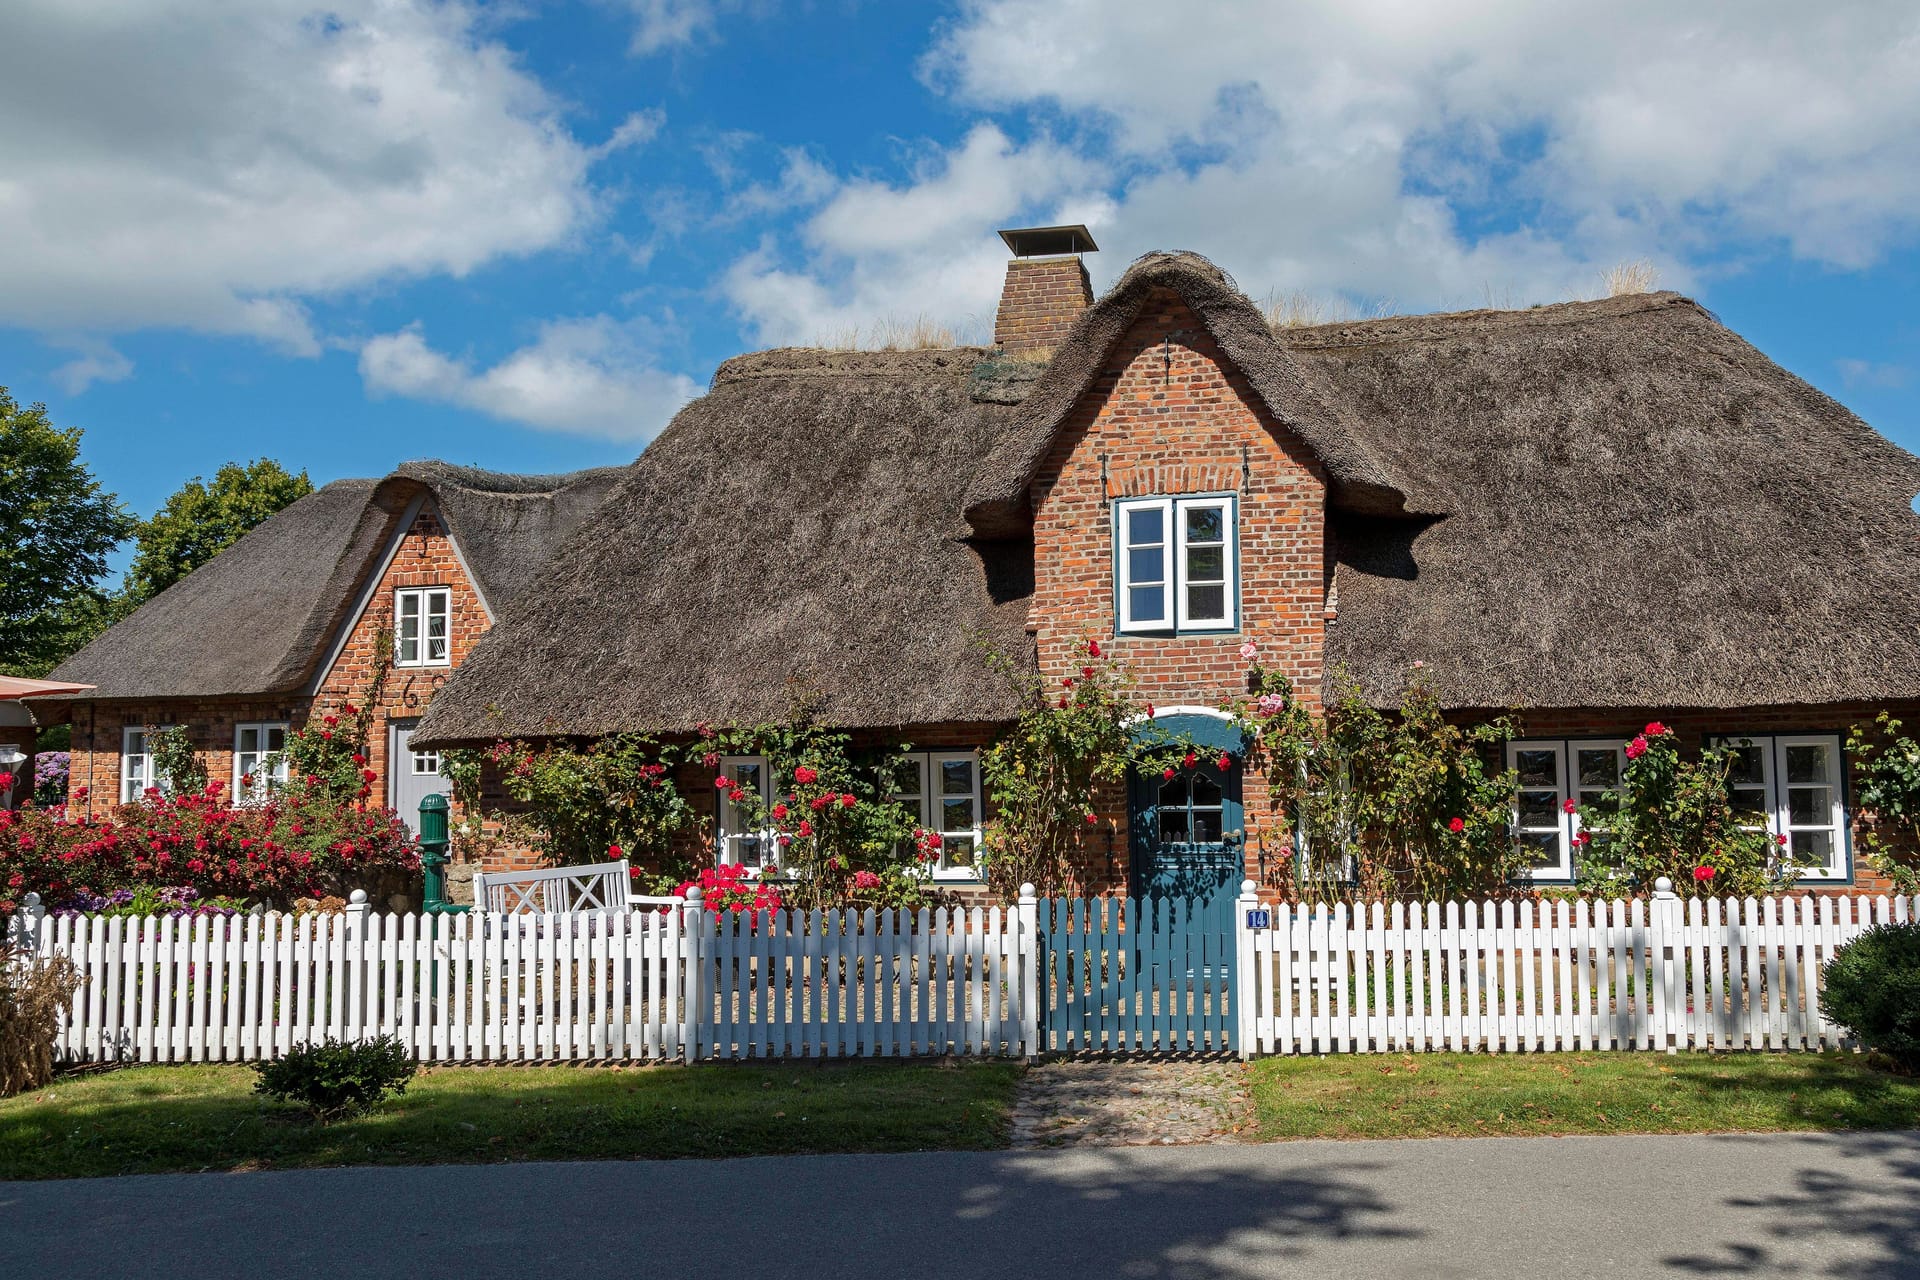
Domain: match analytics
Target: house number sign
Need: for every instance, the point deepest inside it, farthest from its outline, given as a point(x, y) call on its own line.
point(1259, 918)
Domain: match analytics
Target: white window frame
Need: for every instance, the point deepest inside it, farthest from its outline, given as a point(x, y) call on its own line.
point(1574, 747)
point(1123, 563)
point(1229, 583)
point(1175, 617)
point(424, 600)
point(926, 766)
point(730, 827)
point(1773, 756)
point(1562, 871)
point(241, 767)
point(136, 767)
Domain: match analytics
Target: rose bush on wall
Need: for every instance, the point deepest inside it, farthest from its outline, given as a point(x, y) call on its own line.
point(1886, 763)
point(1382, 805)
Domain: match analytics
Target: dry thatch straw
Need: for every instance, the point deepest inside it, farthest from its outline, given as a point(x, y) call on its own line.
point(33, 995)
point(1626, 278)
point(891, 333)
point(1299, 309)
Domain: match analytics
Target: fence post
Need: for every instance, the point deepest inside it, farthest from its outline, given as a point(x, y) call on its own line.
point(356, 993)
point(23, 930)
point(1029, 945)
point(693, 965)
point(1246, 974)
point(1670, 955)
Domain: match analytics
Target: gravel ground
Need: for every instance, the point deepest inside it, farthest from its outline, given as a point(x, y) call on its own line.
point(1128, 1103)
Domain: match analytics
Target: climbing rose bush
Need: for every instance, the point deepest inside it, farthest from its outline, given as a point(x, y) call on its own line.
point(727, 889)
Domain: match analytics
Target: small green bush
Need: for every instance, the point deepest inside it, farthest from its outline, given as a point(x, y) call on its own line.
point(333, 1080)
point(1872, 988)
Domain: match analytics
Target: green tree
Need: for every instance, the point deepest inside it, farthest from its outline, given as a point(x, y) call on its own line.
point(57, 526)
point(201, 520)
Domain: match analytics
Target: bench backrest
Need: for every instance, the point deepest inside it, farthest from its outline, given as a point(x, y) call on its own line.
point(599, 886)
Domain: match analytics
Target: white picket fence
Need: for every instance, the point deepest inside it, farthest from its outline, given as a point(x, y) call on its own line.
point(1513, 977)
point(582, 986)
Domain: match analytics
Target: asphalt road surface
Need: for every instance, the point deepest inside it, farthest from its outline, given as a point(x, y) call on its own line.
point(1552, 1208)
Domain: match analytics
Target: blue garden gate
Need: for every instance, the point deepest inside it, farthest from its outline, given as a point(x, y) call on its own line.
point(1153, 974)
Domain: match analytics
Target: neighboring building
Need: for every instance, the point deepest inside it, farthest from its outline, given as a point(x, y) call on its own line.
point(288, 620)
point(1594, 514)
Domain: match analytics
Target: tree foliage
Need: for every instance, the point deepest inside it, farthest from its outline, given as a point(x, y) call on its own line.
point(57, 526)
point(201, 519)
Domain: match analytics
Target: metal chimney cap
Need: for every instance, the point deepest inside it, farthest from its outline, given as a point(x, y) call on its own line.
point(1047, 242)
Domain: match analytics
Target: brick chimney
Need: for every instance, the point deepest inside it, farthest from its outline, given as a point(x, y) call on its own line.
point(1047, 287)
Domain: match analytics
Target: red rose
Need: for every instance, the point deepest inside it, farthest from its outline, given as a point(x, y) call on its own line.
point(780, 810)
point(1086, 673)
point(806, 828)
point(1655, 729)
point(1637, 748)
point(1063, 702)
point(804, 775)
point(1093, 648)
point(1149, 711)
point(847, 801)
point(1066, 682)
point(1781, 841)
point(1191, 760)
point(723, 782)
point(1456, 825)
point(1091, 819)
point(1703, 874)
point(1569, 806)
point(820, 802)
point(358, 758)
point(613, 853)
point(1225, 762)
point(1167, 772)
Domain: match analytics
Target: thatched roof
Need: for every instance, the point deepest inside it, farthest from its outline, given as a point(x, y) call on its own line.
point(796, 529)
point(1640, 510)
point(259, 617)
point(1600, 504)
point(997, 500)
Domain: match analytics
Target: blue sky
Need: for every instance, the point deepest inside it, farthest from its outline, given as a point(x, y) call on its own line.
point(519, 236)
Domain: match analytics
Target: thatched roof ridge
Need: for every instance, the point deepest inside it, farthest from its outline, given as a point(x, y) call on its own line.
point(1644, 511)
point(796, 529)
point(259, 617)
point(997, 503)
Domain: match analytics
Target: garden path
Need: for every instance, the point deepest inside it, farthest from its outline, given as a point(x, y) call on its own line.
point(1131, 1102)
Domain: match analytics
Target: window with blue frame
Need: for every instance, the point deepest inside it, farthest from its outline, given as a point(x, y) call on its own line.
point(1176, 564)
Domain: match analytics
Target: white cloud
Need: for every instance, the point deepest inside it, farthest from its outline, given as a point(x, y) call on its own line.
point(1634, 126)
point(875, 251)
point(1858, 374)
point(93, 361)
point(667, 24)
point(587, 376)
point(211, 167)
point(638, 129)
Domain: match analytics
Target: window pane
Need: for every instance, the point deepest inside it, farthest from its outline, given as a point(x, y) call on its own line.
point(1173, 825)
point(1173, 792)
point(1206, 826)
point(1808, 764)
point(748, 776)
point(1597, 768)
point(1540, 809)
point(1206, 564)
point(277, 738)
point(1146, 565)
point(1144, 525)
point(1537, 768)
point(249, 741)
point(1205, 790)
point(1747, 767)
point(1603, 801)
point(956, 778)
point(906, 779)
point(956, 815)
point(957, 851)
point(1206, 602)
point(1542, 848)
point(1145, 604)
point(1205, 524)
point(1750, 805)
point(1817, 845)
point(1809, 806)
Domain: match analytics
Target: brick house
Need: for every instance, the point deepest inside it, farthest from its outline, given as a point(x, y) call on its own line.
point(292, 618)
point(1590, 514)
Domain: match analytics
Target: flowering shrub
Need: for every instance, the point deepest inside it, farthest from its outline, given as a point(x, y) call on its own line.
point(1886, 764)
point(1043, 774)
point(1399, 805)
point(578, 803)
point(176, 766)
point(177, 900)
point(726, 889)
point(328, 755)
point(298, 843)
point(1675, 818)
point(50, 772)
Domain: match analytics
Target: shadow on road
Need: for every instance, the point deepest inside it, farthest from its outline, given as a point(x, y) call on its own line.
point(1833, 1200)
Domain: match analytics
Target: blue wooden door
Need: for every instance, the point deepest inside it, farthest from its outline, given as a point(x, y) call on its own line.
point(1186, 839)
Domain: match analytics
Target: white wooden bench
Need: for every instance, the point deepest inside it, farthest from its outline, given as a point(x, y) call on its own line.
point(599, 886)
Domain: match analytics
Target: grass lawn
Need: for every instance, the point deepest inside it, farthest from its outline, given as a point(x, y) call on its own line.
point(1459, 1095)
point(187, 1118)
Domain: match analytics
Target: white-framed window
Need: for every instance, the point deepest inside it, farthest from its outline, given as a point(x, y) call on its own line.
point(1175, 562)
point(136, 763)
point(252, 744)
point(421, 620)
point(943, 789)
point(424, 763)
point(1792, 784)
point(1549, 772)
point(739, 838)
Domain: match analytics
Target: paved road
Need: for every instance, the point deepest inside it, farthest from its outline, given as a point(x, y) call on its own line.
point(1552, 1208)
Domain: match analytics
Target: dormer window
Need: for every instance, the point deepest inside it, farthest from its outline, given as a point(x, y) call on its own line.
point(420, 626)
point(1175, 564)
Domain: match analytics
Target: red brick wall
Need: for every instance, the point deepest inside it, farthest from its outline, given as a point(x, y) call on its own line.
point(1169, 419)
point(98, 729)
point(1040, 301)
